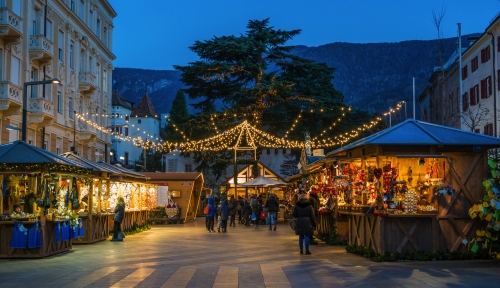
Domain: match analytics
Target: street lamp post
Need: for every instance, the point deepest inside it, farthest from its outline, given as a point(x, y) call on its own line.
point(25, 100)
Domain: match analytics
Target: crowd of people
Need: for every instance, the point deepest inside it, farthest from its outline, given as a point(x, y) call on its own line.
point(254, 211)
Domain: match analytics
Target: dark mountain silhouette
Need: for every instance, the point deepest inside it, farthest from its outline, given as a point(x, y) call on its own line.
point(371, 76)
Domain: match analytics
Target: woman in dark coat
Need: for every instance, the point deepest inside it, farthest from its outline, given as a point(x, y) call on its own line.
point(232, 210)
point(224, 214)
point(247, 213)
point(119, 213)
point(306, 222)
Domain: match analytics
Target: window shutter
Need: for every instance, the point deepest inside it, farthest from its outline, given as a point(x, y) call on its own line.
point(488, 85)
point(472, 98)
point(483, 89)
point(465, 102)
point(498, 79)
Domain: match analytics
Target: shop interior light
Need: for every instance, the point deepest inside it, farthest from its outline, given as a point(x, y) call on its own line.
point(421, 162)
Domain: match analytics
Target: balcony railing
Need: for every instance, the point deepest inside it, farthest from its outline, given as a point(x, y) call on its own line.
point(10, 98)
point(40, 105)
point(41, 48)
point(87, 81)
point(87, 131)
point(10, 24)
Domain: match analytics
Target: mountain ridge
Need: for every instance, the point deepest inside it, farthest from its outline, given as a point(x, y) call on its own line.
point(372, 76)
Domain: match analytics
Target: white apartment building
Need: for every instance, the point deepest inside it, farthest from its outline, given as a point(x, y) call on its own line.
point(480, 78)
point(132, 126)
point(475, 107)
point(65, 39)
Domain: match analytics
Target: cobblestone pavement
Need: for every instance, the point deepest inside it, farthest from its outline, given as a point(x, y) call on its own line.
point(188, 256)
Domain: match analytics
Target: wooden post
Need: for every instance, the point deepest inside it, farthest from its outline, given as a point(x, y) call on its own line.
point(91, 200)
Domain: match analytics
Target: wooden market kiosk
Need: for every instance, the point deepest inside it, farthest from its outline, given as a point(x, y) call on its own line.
point(425, 176)
point(27, 169)
point(246, 174)
point(139, 195)
point(182, 189)
point(95, 219)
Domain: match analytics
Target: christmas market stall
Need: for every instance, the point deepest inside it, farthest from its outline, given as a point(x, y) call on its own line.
point(318, 178)
point(139, 195)
point(178, 192)
point(95, 220)
point(38, 200)
point(410, 187)
point(264, 181)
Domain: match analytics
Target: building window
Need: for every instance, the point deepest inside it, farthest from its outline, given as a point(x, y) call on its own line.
point(16, 7)
point(104, 80)
point(488, 129)
point(91, 19)
point(268, 151)
point(105, 37)
point(474, 95)
point(474, 64)
point(48, 30)
point(34, 28)
point(464, 72)
point(486, 87)
point(275, 151)
point(126, 131)
point(71, 55)
point(59, 103)
point(72, 5)
point(477, 131)
point(45, 144)
point(14, 70)
point(188, 168)
point(98, 28)
point(139, 121)
point(126, 118)
point(485, 54)
point(172, 165)
point(465, 101)
point(89, 68)
point(81, 10)
point(60, 42)
point(97, 74)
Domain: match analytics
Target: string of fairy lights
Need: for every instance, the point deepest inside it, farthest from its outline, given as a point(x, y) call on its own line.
point(243, 134)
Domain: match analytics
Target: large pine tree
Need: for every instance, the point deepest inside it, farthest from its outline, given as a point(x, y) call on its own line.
point(179, 115)
point(256, 73)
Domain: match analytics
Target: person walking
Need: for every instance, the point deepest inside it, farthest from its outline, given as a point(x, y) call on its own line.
point(240, 208)
point(272, 206)
point(254, 203)
point(119, 213)
point(224, 214)
point(247, 213)
point(314, 199)
point(211, 214)
point(305, 222)
point(232, 210)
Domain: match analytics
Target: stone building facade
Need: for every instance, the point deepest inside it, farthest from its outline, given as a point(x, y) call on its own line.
point(65, 39)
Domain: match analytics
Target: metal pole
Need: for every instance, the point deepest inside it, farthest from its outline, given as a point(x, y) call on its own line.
point(25, 112)
point(74, 131)
point(414, 98)
point(460, 99)
point(144, 155)
point(25, 104)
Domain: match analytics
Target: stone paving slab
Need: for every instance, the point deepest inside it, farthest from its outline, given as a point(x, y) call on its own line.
point(187, 256)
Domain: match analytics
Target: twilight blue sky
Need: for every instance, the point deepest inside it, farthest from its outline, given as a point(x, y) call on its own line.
point(156, 34)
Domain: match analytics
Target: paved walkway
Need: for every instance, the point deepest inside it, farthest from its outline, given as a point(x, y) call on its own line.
point(188, 256)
